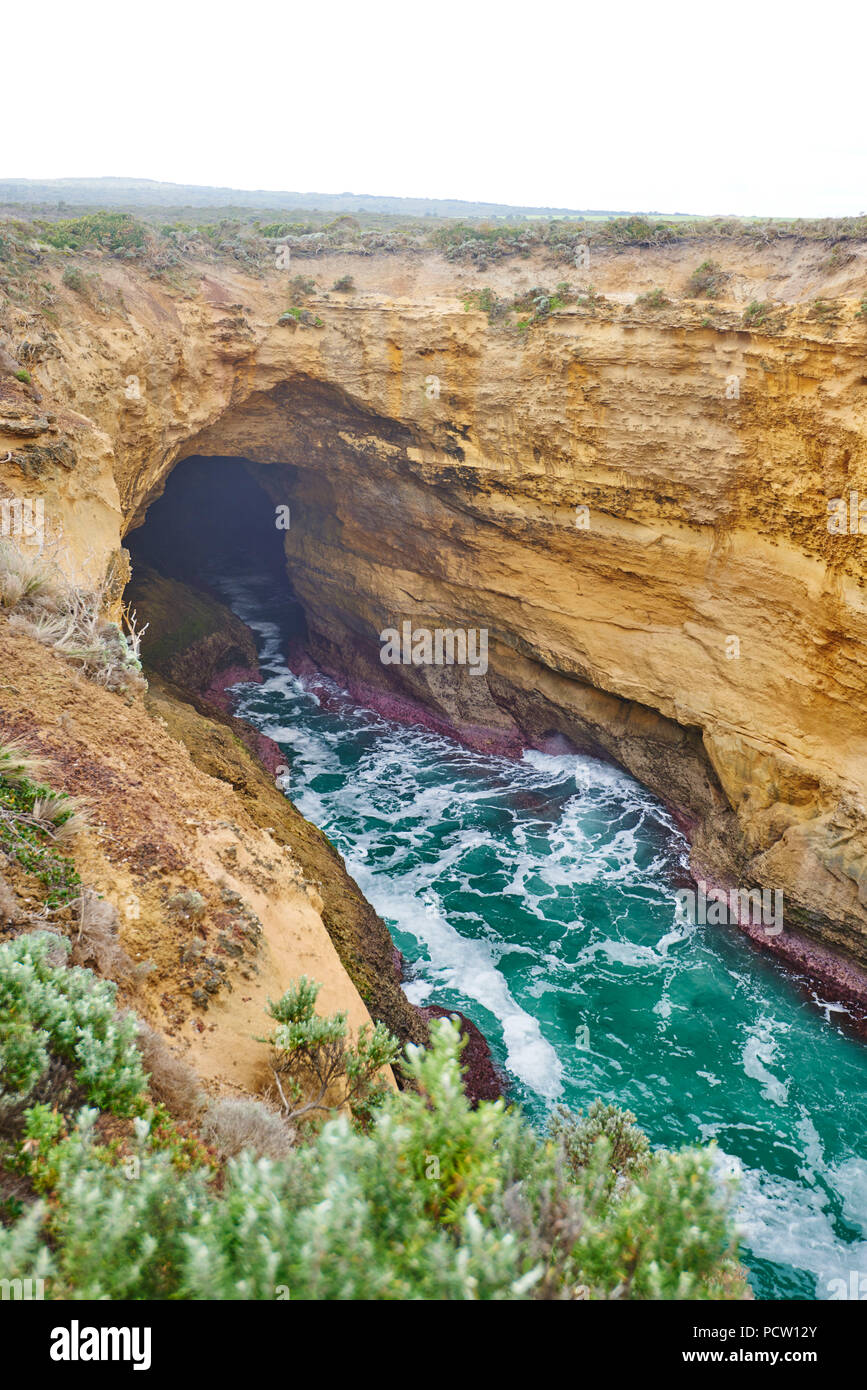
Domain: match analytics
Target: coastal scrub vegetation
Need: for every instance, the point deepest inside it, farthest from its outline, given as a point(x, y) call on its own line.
point(756, 313)
point(161, 241)
point(40, 602)
point(707, 281)
point(37, 825)
point(168, 244)
point(536, 304)
point(825, 312)
point(88, 287)
point(653, 299)
point(316, 1069)
point(117, 232)
point(104, 1194)
point(305, 317)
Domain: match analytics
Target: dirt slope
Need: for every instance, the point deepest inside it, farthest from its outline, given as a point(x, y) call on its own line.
point(161, 830)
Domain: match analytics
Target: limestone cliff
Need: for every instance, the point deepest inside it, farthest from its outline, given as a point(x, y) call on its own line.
point(213, 905)
point(700, 623)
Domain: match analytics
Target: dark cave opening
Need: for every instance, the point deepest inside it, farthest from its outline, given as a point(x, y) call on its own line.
point(215, 519)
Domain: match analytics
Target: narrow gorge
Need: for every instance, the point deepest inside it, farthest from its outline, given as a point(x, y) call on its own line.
point(635, 492)
point(435, 470)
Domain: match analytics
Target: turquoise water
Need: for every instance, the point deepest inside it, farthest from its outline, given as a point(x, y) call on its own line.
point(537, 897)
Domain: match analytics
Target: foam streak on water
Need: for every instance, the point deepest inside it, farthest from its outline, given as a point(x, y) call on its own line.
point(538, 897)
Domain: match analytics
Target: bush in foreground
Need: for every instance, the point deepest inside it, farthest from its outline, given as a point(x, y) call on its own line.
point(427, 1199)
point(48, 1010)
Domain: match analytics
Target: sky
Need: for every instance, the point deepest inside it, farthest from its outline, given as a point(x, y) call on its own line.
point(755, 109)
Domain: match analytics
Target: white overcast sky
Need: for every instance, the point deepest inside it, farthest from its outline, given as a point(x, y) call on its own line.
point(731, 107)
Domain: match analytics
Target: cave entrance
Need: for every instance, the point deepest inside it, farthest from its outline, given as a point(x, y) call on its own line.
point(214, 519)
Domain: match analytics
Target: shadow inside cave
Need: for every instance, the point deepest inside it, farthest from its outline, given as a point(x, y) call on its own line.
point(213, 519)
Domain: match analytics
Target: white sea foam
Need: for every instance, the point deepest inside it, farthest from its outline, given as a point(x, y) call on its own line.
point(759, 1055)
point(783, 1221)
point(466, 966)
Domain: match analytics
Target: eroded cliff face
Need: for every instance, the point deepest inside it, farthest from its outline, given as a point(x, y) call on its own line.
point(632, 500)
point(219, 910)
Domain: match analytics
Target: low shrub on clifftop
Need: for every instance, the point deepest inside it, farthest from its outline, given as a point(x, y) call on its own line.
point(756, 313)
point(653, 299)
point(49, 1011)
point(117, 232)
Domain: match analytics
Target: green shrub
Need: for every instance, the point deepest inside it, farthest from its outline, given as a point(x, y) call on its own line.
point(653, 299)
point(89, 287)
point(589, 299)
point(345, 285)
point(486, 301)
point(542, 302)
point(302, 316)
point(579, 1134)
point(281, 229)
point(757, 313)
point(34, 824)
point(315, 1068)
point(24, 376)
point(48, 1009)
point(117, 232)
point(637, 231)
point(824, 311)
point(302, 285)
point(74, 280)
point(121, 1237)
point(707, 282)
point(22, 1251)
